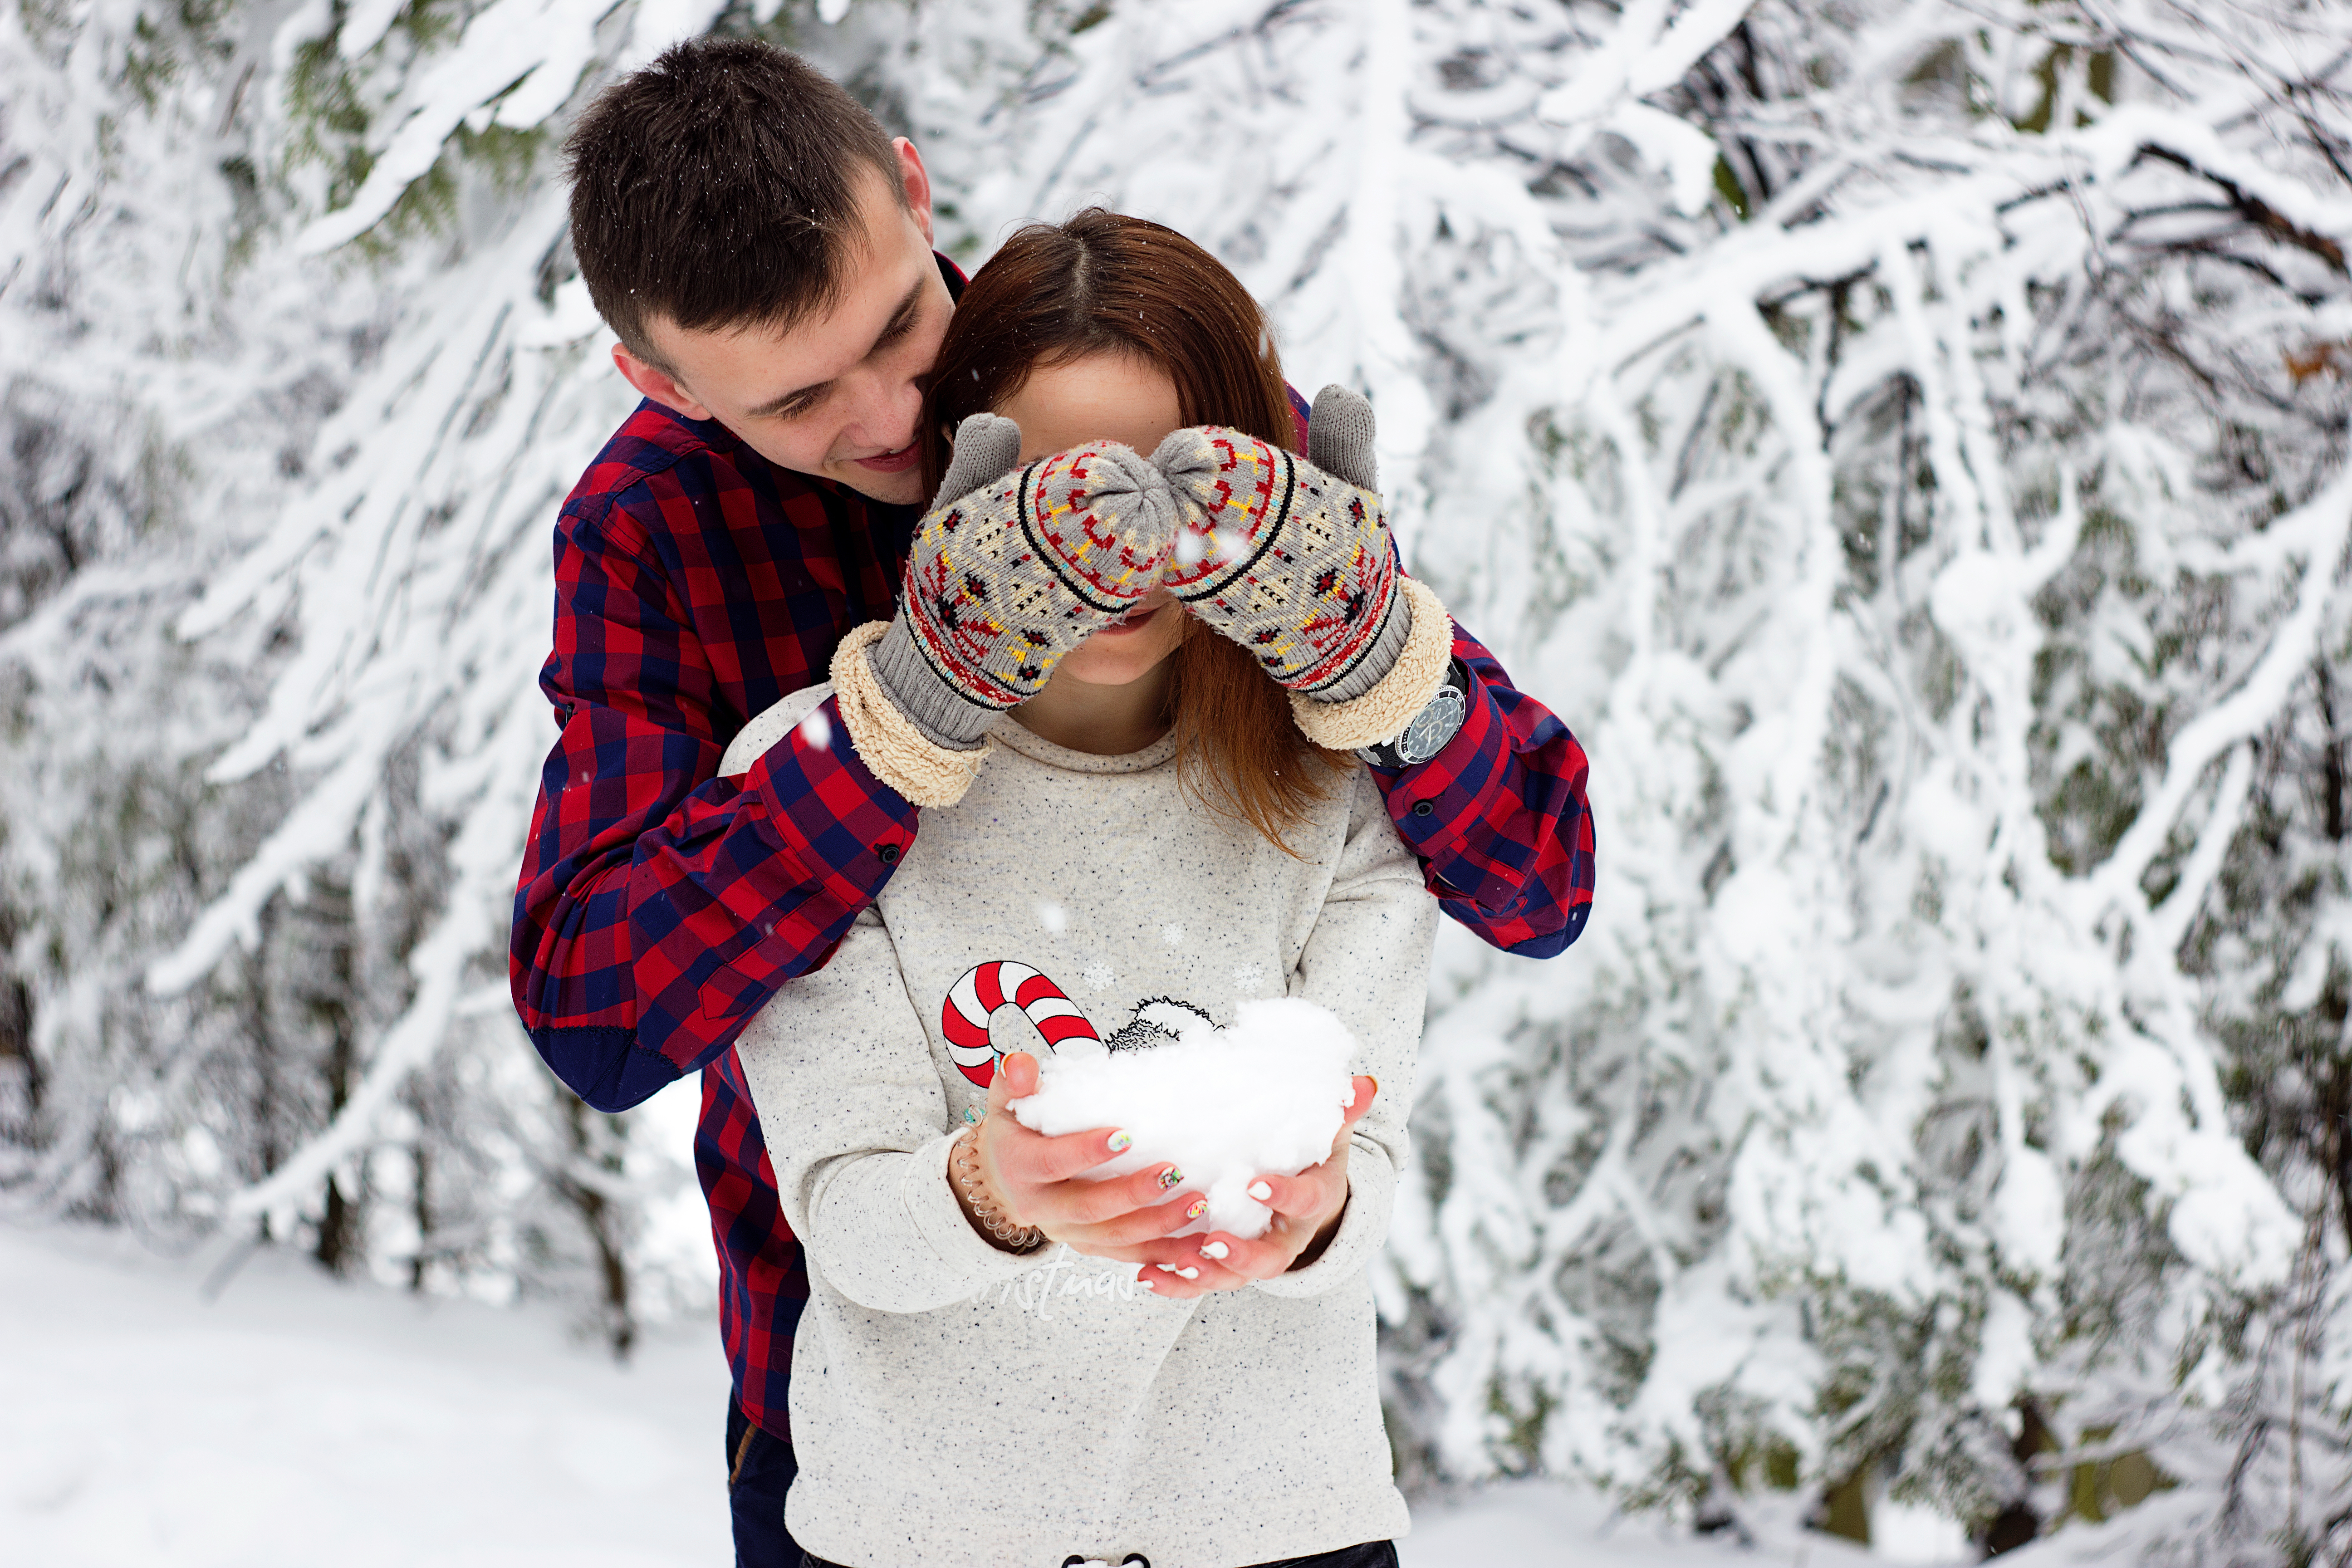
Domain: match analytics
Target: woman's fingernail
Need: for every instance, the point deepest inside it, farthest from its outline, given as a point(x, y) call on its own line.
point(1199, 1206)
point(1188, 1273)
point(1213, 1250)
point(1170, 1178)
point(1260, 1191)
point(1376, 1083)
point(1165, 1268)
point(1120, 1142)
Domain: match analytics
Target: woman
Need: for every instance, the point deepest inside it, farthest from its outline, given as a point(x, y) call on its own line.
point(1000, 1363)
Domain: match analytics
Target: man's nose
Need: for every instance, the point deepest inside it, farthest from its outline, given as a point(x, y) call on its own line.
point(885, 410)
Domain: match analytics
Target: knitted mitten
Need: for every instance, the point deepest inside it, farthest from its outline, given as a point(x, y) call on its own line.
point(1011, 571)
point(1291, 560)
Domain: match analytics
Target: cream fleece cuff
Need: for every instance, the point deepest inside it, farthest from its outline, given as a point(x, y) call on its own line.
point(888, 743)
point(1383, 714)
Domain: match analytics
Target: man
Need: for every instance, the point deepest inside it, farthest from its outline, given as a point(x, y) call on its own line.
point(761, 249)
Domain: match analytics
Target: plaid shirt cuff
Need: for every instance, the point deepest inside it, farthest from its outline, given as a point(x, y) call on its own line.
point(1498, 817)
point(1439, 803)
point(825, 808)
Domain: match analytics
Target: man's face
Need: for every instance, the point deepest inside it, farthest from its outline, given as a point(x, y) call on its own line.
point(839, 394)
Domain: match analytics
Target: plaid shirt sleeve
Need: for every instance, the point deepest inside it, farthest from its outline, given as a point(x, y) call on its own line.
point(1498, 817)
point(659, 907)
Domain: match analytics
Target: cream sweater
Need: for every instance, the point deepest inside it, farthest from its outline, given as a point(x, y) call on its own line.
point(953, 1403)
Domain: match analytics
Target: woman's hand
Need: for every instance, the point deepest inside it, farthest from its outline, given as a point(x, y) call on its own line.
point(1306, 1210)
point(1034, 1179)
point(949, 663)
point(1308, 585)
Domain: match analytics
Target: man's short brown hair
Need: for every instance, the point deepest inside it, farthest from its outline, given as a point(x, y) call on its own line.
point(717, 188)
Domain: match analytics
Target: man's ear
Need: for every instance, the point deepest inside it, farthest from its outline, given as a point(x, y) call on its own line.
point(916, 183)
point(656, 383)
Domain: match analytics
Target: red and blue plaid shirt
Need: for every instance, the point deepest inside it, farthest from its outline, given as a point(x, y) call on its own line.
point(661, 905)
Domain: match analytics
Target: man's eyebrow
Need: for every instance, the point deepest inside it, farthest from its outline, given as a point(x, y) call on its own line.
point(901, 322)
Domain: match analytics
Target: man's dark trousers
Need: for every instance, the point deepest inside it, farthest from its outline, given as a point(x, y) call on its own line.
point(760, 1471)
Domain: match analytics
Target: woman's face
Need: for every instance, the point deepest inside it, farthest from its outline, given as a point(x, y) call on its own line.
point(1105, 397)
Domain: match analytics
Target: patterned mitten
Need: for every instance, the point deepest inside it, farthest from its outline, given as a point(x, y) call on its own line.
point(1011, 571)
point(1291, 560)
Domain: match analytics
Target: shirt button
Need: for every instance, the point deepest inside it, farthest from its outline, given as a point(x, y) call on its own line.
point(887, 853)
point(1423, 808)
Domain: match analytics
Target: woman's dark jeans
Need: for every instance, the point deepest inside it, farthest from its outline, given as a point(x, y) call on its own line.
point(1370, 1554)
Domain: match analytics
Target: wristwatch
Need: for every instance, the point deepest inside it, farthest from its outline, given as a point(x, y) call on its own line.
point(1431, 728)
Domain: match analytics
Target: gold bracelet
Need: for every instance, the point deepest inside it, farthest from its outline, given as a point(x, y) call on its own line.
point(964, 1160)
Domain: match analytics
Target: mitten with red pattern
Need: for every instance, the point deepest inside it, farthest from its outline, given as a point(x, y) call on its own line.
point(1292, 560)
point(1011, 570)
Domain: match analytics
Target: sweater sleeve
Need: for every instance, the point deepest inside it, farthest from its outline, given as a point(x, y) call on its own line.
point(840, 1056)
point(1366, 960)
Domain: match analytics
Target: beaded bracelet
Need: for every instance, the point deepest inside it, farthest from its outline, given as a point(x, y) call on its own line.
point(965, 1159)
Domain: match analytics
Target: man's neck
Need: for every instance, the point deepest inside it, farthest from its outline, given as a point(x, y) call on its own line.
point(1104, 720)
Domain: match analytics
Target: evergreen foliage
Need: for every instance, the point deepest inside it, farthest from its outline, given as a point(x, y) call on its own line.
point(1904, 440)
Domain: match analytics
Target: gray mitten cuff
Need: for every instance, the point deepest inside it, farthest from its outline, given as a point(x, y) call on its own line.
point(1380, 714)
point(1387, 646)
point(943, 712)
point(891, 745)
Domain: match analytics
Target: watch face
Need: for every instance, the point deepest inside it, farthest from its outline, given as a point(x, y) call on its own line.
point(1438, 723)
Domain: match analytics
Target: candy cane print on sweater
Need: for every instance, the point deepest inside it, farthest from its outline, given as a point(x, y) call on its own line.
point(1000, 983)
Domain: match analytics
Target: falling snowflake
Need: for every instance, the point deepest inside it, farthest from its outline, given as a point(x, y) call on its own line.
point(818, 729)
point(1172, 934)
point(1098, 976)
point(1053, 917)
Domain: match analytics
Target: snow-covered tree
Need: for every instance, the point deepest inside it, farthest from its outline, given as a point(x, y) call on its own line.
point(1904, 440)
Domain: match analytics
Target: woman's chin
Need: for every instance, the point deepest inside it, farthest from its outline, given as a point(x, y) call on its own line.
point(1109, 666)
point(1120, 658)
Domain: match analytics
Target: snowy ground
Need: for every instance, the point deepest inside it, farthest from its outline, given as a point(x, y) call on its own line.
point(295, 1421)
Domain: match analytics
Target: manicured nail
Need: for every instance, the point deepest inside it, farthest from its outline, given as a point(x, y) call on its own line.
point(1165, 1268)
point(1120, 1142)
point(1170, 1178)
point(1260, 1191)
point(1188, 1273)
point(1213, 1250)
point(1199, 1206)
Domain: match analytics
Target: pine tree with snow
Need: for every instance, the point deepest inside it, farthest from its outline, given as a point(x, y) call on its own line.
point(1905, 441)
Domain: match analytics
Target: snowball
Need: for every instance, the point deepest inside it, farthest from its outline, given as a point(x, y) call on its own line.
point(1225, 1106)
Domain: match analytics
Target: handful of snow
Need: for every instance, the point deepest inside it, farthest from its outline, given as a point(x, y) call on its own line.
point(1225, 1106)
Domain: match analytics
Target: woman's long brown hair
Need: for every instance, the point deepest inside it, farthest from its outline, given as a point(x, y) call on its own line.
point(1104, 283)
